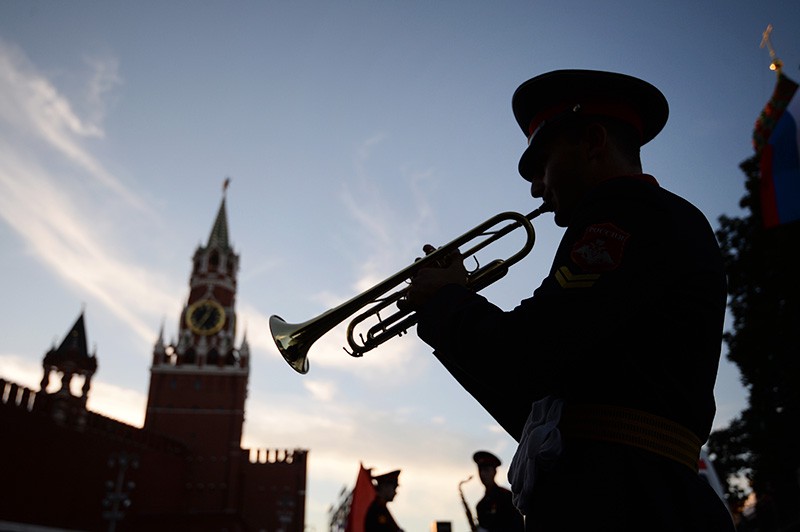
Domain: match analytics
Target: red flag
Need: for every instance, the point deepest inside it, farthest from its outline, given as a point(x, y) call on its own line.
point(362, 497)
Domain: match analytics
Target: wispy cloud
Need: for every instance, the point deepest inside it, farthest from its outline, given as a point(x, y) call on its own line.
point(321, 390)
point(104, 80)
point(389, 227)
point(42, 145)
point(384, 244)
point(32, 105)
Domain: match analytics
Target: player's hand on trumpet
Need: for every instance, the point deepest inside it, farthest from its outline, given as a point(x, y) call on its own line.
point(428, 281)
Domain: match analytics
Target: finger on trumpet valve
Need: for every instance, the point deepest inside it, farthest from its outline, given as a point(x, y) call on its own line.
point(445, 261)
point(404, 305)
point(427, 249)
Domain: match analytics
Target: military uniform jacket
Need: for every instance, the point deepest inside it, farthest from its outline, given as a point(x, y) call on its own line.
point(378, 518)
point(496, 512)
point(631, 314)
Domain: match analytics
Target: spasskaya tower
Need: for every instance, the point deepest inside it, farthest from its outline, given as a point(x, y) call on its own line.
point(198, 385)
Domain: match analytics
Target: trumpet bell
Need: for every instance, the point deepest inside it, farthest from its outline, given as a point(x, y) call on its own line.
point(290, 343)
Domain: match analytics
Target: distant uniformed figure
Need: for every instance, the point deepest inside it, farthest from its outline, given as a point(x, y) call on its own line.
point(496, 512)
point(378, 518)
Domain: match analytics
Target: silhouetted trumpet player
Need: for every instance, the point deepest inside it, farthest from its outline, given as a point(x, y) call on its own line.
point(607, 371)
point(606, 374)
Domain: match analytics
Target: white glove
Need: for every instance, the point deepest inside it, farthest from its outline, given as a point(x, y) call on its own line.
point(539, 447)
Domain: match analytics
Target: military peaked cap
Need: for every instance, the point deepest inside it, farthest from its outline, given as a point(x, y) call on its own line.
point(387, 478)
point(485, 458)
point(550, 96)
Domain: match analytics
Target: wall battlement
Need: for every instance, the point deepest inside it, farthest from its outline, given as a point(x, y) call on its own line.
point(14, 395)
point(41, 405)
point(276, 456)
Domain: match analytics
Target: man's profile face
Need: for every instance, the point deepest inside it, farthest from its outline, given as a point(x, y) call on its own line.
point(487, 474)
point(386, 492)
point(558, 173)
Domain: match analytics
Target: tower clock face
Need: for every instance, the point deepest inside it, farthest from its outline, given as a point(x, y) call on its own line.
point(205, 317)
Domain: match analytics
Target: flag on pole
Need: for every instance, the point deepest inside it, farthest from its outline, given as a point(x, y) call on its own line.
point(777, 144)
point(362, 497)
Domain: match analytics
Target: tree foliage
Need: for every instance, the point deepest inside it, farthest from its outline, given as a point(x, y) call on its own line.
point(763, 444)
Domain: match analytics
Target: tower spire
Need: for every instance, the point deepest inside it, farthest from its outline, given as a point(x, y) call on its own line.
point(219, 231)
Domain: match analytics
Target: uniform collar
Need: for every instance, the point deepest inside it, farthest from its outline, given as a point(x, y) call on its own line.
point(647, 178)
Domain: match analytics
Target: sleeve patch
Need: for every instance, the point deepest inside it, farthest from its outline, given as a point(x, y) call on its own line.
point(601, 247)
point(567, 279)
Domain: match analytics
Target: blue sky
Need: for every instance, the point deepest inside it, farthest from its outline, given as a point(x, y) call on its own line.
point(353, 132)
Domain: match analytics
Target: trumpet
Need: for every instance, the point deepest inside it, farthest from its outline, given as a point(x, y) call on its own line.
point(295, 339)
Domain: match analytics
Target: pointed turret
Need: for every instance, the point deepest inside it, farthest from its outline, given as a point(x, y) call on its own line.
point(159, 349)
point(70, 358)
point(244, 352)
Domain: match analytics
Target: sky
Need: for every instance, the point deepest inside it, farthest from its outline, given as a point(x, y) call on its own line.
point(353, 132)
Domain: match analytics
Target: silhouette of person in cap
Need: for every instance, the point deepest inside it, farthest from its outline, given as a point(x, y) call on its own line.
point(378, 518)
point(608, 370)
point(496, 512)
